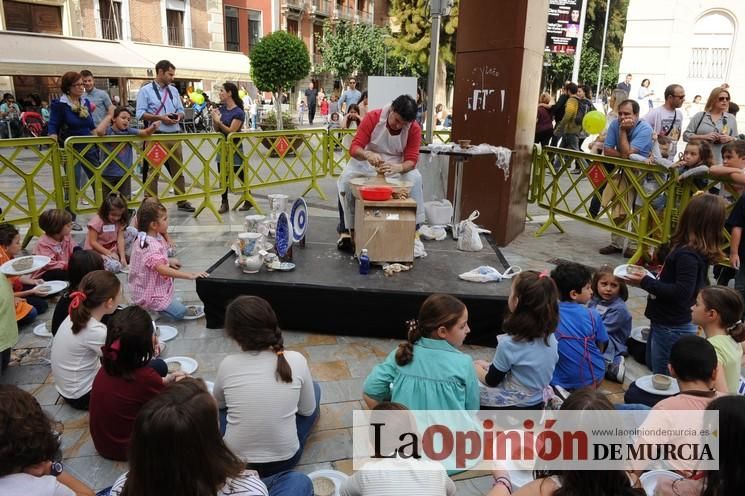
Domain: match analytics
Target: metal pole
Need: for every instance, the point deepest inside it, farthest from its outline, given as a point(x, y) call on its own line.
point(578, 53)
point(435, 12)
point(602, 50)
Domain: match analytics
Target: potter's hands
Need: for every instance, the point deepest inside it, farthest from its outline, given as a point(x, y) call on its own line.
point(374, 159)
point(387, 168)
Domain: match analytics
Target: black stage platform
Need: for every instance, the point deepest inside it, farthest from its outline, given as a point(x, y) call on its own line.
point(326, 293)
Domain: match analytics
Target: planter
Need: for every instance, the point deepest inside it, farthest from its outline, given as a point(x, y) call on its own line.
point(294, 141)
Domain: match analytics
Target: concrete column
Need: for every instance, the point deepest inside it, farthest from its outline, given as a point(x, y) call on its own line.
point(497, 82)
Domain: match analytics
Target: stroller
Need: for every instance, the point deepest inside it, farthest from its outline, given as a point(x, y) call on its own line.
point(33, 125)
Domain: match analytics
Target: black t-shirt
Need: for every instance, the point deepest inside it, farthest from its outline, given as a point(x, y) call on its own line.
point(737, 219)
point(311, 95)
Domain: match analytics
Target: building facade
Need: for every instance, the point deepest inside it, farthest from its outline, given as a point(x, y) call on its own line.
point(695, 43)
point(118, 40)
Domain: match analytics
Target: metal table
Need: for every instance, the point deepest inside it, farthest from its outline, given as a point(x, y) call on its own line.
point(461, 156)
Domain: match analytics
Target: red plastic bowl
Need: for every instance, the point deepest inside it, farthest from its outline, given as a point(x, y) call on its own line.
point(376, 193)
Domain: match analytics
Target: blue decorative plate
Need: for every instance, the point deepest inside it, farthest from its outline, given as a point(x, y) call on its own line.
point(299, 219)
point(283, 236)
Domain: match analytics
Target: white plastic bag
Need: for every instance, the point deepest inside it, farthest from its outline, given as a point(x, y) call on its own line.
point(468, 234)
point(486, 273)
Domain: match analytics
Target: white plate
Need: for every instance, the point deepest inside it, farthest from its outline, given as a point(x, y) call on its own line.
point(334, 475)
point(166, 333)
point(620, 271)
point(188, 365)
point(210, 386)
point(645, 384)
point(124, 270)
point(650, 479)
point(519, 478)
point(636, 334)
point(55, 287)
point(42, 331)
point(39, 262)
point(299, 219)
point(199, 315)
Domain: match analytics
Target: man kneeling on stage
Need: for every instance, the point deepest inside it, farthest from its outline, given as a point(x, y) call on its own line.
point(387, 141)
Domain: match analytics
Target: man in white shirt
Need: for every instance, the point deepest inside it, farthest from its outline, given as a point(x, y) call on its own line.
point(667, 119)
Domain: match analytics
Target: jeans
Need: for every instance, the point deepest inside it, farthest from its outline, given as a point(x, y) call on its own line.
point(661, 340)
point(303, 424)
point(175, 310)
point(289, 483)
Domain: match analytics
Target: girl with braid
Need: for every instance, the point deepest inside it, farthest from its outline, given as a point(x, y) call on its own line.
point(428, 372)
point(267, 392)
point(76, 349)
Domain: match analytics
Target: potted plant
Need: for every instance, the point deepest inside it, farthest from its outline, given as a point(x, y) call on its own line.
point(278, 61)
point(269, 123)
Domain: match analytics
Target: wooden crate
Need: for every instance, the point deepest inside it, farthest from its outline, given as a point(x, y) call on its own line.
point(386, 229)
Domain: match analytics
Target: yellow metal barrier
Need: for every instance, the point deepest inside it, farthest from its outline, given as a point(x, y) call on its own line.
point(635, 200)
point(31, 173)
point(273, 158)
point(339, 142)
point(190, 159)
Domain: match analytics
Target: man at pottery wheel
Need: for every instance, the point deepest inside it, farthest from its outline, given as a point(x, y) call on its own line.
point(387, 142)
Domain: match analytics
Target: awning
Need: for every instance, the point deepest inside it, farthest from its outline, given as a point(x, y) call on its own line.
point(26, 54)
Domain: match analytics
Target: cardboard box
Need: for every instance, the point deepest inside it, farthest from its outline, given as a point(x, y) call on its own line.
point(386, 229)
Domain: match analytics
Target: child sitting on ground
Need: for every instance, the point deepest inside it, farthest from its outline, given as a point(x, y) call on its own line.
point(76, 348)
point(609, 299)
point(116, 123)
point(718, 310)
point(396, 475)
point(527, 354)
point(266, 392)
point(428, 372)
point(56, 243)
point(8, 326)
point(693, 363)
point(25, 289)
point(81, 262)
point(176, 448)
point(109, 233)
point(581, 333)
point(152, 273)
point(128, 378)
point(29, 447)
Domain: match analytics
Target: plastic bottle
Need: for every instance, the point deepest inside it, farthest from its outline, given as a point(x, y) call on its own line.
point(364, 262)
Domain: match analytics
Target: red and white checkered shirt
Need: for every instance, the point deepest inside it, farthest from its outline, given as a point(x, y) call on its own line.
point(150, 289)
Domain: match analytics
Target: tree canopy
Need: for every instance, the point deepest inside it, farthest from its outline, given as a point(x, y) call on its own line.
point(348, 48)
point(278, 61)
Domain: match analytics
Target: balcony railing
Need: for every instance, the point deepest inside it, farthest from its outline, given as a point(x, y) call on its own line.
point(110, 29)
point(296, 4)
point(322, 7)
point(176, 35)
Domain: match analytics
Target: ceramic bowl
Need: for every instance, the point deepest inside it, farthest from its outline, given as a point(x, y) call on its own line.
point(323, 486)
point(661, 381)
point(464, 143)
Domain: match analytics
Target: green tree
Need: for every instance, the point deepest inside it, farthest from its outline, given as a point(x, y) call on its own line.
point(348, 48)
point(277, 62)
point(411, 43)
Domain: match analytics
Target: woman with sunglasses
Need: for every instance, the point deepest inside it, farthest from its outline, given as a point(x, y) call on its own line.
point(715, 124)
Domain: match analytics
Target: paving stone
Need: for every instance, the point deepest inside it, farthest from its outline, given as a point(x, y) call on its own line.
point(327, 446)
point(29, 374)
point(329, 371)
point(337, 415)
point(345, 390)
